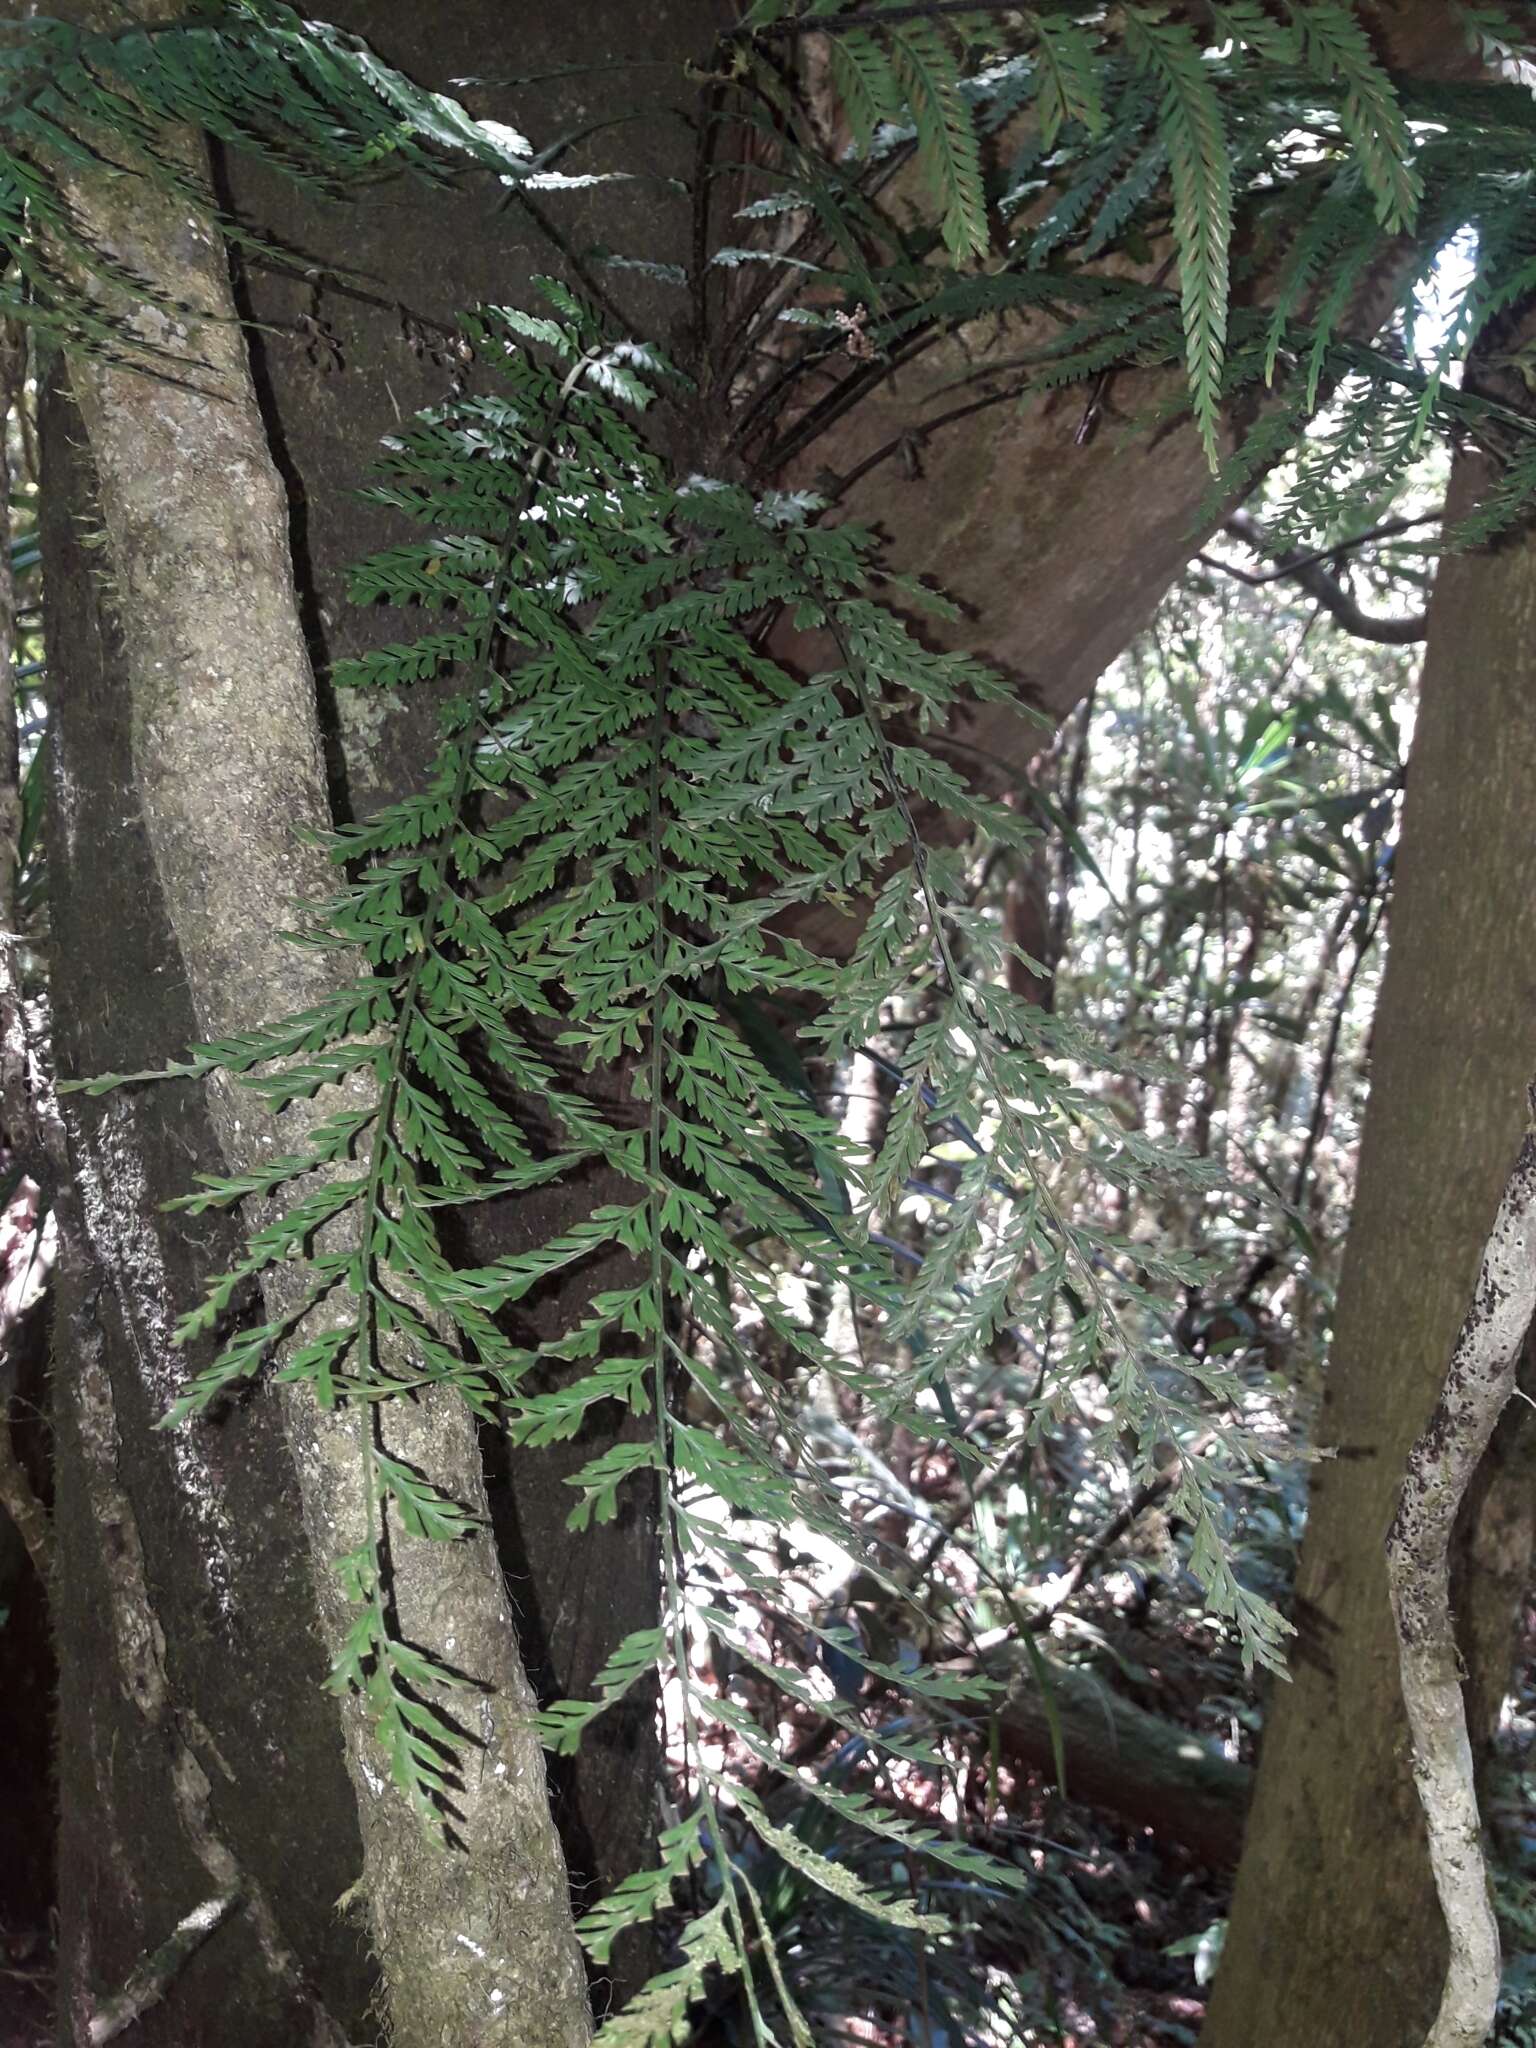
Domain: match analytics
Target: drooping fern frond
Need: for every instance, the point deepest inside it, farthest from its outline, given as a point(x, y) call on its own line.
point(1199, 165)
point(1335, 49)
point(1071, 87)
point(1081, 89)
point(629, 800)
point(312, 100)
point(909, 77)
point(946, 135)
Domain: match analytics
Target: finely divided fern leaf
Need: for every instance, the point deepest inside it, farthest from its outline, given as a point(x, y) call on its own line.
point(312, 100)
point(948, 146)
point(1070, 78)
point(1337, 50)
point(1199, 164)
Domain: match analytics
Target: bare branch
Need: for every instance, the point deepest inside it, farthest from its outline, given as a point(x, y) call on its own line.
point(19, 1500)
point(153, 1977)
point(1310, 570)
point(881, 17)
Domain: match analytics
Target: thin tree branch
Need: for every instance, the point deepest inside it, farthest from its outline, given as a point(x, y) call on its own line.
point(1389, 529)
point(912, 438)
point(1478, 1383)
point(1098, 1546)
point(882, 17)
point(1311, 572)
point(19, 1499)
point(701, 192)
point(1363, 946)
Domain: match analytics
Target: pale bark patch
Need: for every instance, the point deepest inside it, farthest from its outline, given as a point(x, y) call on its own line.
point(1478, 1383)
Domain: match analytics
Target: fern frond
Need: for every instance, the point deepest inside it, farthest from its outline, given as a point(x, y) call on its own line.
point(948, 146)
point(1070, 82)
point(311, 100)
point(1337, 51)
point(1199, 163)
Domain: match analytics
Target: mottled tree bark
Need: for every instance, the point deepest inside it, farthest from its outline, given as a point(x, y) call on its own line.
point(226, 759)
point(1491, 1555)
point(1478, 1385)
point(185, 1549)
point(1335, 1934)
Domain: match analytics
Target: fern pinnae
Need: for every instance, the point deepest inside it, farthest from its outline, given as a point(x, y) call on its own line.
point(658, 1178)
point(1260, 1629)
point(667, 792)
point(411, 1732)
point(1338, 51)
point(863, 77)
point(646, 761)
point(1329, 227)
point(1069, 86)
point(947, 137)
point(800, 2032)
point(1200, 168)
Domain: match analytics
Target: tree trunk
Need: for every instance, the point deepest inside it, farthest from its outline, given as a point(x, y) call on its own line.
point(336, 367)
point(216, 1547)
point(226, 761)
point(1335, 1933)
point(1491, 1557)
point(219, 1501)
point(182, 1612)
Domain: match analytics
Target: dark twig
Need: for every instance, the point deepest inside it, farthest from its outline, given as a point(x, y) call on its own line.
point(710, 117)
point(1331, 1051)
point(901, 443)
point(883, 17)
point(1310, 570)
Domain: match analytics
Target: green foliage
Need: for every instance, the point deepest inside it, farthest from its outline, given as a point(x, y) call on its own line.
point(312, 99)
point(575, 945)
point(1126, 130)
point(946, 135)
point(1070, 85)
point(1134, 130)
point(1200, 169)
point(627, 796)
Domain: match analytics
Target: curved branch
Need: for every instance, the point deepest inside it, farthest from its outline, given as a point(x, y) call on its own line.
point(1310, 570)
point(1478, 1383)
